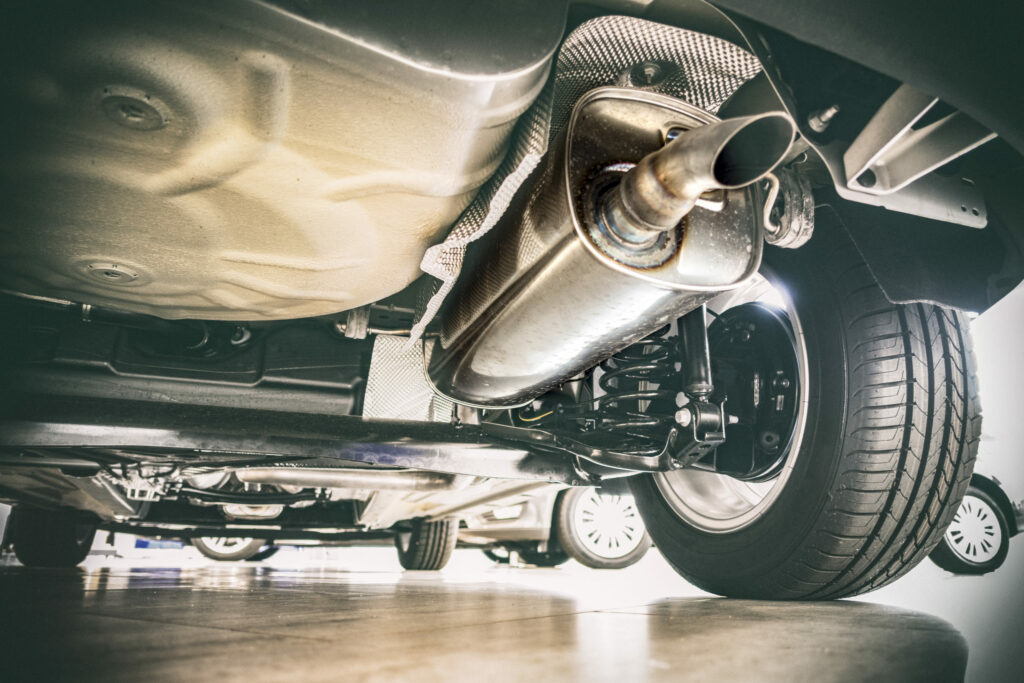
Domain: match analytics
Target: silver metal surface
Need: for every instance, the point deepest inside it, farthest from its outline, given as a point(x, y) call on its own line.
point(717, 503)
point(890, 153)
point(488, 496)
point(235, 511)
point(666, 184)
point(695, 67)
point(397, 386)
point(487, 450)
point(49, 487)
point(237, 160)
point(545, 302)
point(406, 480)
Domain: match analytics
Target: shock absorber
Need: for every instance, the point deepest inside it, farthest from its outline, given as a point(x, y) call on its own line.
point(637, 406)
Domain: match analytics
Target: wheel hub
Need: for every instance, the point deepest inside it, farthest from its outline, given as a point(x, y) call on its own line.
point(704, 496)
point(755, 368)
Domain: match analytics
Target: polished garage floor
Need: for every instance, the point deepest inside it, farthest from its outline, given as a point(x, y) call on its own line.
point(349, 614)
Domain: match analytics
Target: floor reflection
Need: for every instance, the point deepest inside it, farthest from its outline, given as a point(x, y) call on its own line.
point(264, 623)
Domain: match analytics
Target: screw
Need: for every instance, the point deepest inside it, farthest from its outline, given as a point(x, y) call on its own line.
point(647, 74)
point(240, 335)
point(820, 120)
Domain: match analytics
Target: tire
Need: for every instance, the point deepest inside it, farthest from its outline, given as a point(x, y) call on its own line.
point(427, 546)
point(498, 555)
point(600, 531)
point(50, 538)
point(882, 451)
point(552, 557)
point(228, 549)
point(265, 553)
point(978, 539)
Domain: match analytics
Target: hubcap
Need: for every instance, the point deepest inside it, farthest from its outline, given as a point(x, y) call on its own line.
point(718, 503)
point(608, 526)
point(975, 535)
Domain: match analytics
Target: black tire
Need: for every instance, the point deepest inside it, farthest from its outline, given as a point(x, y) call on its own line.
point(964, 555)
point(243, 551)
point(892, 429)
point(498, 555)
point(552, 557)
point(573, 539)
point(265, 553)
point(50, 538)
point(427, 546)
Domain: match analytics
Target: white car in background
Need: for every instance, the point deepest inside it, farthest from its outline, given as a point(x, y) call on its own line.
point(545, 527)
point(598, 529)
point(978, 539)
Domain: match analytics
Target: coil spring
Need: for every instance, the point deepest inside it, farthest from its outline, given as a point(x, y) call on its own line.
point(635, 380)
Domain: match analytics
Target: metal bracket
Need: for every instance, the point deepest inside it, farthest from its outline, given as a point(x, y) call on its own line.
point(706, 432)
point(890, 153)
point(947, 199)
point(890, 163)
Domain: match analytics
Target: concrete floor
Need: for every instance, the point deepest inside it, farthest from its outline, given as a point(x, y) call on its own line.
point(349, 614)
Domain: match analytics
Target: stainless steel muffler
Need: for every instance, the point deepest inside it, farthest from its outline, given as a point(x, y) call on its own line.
point(621, 234)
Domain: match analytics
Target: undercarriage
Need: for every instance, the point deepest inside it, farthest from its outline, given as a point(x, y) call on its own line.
point(305, 271)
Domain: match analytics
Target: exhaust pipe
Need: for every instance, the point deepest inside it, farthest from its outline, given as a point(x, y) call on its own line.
point(403, 480)
point(654, 196)
point(603, 252)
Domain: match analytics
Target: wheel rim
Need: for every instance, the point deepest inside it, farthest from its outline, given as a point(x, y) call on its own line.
point(224, 545)
point(607, 526)
point(975, 534)
point(717, 503)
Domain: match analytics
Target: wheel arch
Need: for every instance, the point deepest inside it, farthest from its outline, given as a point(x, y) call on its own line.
point(994, 489)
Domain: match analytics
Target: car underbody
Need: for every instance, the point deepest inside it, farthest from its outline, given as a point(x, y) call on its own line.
point(331, 271)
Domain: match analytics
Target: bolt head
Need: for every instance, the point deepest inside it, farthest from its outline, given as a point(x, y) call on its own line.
point(684, 417)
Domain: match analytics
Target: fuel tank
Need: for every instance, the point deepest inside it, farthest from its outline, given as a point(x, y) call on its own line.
point(241, 160)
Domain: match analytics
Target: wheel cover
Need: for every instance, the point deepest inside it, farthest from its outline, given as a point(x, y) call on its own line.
point(975, 535)
point(607, 526)
point(719, 504)
point(224, 545)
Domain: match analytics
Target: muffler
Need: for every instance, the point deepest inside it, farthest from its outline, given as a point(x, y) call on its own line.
point(642, 215)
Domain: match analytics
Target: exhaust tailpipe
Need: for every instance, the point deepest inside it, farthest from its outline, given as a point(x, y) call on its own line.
point(654, 196)
point(605, 251)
